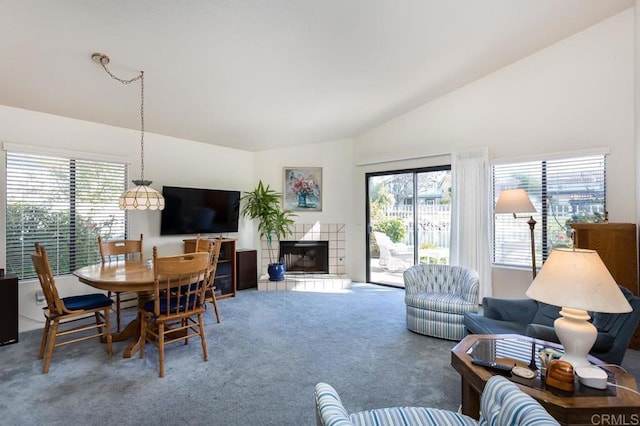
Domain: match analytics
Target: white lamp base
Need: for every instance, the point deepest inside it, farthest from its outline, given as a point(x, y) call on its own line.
point(577, 336)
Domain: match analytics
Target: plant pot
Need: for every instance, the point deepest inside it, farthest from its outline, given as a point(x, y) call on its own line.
point(276, 271)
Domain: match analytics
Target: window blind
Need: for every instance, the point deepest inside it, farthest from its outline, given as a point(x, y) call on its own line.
point(563, 191)
point(63, 204)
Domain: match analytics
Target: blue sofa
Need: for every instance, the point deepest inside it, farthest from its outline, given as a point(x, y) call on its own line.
point(502, 403)
point(535, 319)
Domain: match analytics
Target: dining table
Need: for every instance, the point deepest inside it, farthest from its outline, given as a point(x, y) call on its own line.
point(120, 276)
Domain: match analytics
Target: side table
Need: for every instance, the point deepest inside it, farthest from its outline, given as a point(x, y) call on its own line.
point(615, 403)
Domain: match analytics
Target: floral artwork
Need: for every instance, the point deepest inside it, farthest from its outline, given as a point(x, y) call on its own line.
point(303, 188)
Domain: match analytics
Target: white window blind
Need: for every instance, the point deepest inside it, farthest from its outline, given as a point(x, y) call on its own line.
point(63, 204)
point(562, 191)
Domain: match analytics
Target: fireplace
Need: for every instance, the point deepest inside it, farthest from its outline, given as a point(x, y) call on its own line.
point(305, 256)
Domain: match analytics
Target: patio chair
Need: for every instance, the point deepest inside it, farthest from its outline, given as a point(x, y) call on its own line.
point(393, 256)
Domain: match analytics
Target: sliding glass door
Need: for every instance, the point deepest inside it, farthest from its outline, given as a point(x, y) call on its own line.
point(409, 221)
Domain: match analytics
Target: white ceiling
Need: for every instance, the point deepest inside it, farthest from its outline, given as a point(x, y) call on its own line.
point(261, 74)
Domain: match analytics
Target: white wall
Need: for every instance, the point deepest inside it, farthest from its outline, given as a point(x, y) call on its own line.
point(338, 185)
point(168, 161)
point(573, 96)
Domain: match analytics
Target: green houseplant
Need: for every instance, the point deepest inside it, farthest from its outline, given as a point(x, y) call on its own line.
point(274, 224)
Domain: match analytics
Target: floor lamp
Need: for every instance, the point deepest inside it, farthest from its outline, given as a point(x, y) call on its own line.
point(517, 201)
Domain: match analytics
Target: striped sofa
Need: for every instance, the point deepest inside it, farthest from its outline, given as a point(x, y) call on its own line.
point(502, 403)
point(437, 297)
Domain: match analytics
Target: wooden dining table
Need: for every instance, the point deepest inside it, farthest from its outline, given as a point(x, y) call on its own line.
point(121, 276)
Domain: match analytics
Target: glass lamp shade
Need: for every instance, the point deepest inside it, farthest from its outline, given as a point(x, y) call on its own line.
point(514, 201)
point(141, 197)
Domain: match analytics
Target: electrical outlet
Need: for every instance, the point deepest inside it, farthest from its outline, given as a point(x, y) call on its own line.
point(39, 297)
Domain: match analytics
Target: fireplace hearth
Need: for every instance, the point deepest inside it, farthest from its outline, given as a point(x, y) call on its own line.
point(305, 256)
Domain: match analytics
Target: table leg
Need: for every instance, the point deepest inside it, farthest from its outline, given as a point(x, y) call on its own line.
point(132, 330)
point(470, 400)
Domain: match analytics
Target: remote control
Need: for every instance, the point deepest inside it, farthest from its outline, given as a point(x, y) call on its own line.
point(503, 369)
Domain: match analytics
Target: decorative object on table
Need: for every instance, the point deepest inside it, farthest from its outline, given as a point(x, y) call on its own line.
point(142, 197)
point(517, 201)
point(578, 281)
point(274, 224)
point(560, 375)
point(303, 188)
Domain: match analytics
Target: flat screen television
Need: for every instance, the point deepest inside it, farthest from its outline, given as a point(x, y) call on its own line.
point(196, 210)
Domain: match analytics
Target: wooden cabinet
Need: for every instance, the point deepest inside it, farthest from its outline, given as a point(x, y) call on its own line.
point(225, 281)
point(617, 245)
point(246, 268)
point(8, 309)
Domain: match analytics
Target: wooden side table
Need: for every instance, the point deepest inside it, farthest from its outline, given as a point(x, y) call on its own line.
point(586, 409)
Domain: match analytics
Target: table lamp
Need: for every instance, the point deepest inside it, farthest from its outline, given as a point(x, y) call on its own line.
point(517, 201)
point(578, 281)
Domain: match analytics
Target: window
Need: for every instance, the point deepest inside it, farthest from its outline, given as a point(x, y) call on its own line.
point(563, 191)
point(64, 204)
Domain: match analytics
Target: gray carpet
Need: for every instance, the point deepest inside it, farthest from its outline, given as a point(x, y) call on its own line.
point(264, 360)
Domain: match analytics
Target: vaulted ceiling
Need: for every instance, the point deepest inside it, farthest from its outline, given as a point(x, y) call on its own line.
point(262, 74)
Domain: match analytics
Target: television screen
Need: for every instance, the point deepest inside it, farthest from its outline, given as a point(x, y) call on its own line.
point(195, 210)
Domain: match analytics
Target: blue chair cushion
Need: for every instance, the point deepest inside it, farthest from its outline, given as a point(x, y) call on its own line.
point(86, 301)
point(174, 303)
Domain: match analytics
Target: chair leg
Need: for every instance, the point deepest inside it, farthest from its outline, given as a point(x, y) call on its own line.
point(143, 334)
point(118, 323)
point(45, 337)
point(50, 345)
point(203, 339)
point(215, 306)
point(107, 324)
point(161, 348)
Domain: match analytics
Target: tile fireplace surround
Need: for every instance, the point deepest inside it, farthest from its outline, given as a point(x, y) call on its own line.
point(335, 280)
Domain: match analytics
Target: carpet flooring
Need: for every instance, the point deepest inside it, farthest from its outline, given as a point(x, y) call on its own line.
point(264, 360)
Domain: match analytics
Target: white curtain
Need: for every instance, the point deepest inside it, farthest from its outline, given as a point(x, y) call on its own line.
point(470, 244)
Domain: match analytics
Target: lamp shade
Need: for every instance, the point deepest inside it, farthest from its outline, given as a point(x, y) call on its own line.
point(578, 279)
point(141, 197)
point(514, 201)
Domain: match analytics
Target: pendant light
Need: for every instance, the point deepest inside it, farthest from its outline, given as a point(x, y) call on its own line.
point(142, 196)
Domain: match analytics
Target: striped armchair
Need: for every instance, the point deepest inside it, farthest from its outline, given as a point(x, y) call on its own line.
point(502, 403)
point(437, 297)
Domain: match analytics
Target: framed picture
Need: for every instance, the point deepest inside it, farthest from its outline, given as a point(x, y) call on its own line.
point(302, 188)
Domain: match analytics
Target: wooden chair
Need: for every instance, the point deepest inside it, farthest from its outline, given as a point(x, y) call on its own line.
point(213, 248)
point(116, 250)
point(169, 317)
point(60, 312)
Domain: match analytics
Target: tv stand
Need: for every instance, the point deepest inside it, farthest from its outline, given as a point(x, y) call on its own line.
point(225, 281)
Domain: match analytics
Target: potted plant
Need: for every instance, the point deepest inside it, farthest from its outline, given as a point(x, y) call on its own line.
point(274, 224)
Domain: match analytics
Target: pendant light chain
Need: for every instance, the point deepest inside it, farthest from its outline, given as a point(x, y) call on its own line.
point(123, 81)
point(142, 196)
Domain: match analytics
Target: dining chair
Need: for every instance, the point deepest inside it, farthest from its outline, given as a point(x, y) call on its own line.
point(213, 248)
point(169, 317)
point(59, 312)
point(117, 250)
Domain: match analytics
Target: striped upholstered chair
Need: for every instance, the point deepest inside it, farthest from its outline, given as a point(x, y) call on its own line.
point(502, 403)
point(437, 297)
